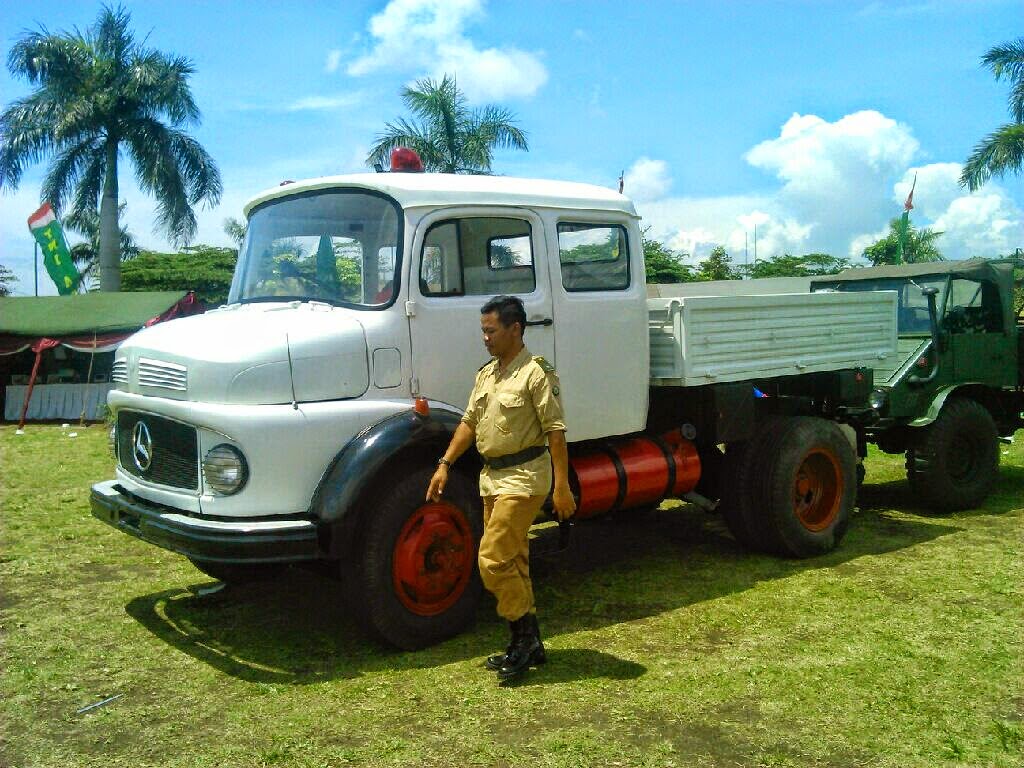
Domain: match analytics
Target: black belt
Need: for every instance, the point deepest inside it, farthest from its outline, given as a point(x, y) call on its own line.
point(512, 459)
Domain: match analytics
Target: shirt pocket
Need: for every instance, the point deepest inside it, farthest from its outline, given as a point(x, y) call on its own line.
point(510, 411)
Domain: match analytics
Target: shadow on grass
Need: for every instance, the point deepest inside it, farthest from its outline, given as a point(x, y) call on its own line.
point(566, 665)
point(896, 494)
point(295, 631)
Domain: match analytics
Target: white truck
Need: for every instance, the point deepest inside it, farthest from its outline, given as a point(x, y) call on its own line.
point(302, 421)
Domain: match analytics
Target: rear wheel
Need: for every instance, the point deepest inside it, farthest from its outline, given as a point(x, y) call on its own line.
point(954, 462)
point(414, 582)
point(238, 573)
point(804, 492)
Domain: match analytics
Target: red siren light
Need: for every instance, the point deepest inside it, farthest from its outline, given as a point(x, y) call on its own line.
point(405, 160)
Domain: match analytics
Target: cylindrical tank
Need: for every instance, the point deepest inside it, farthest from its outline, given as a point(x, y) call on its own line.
point(633, 471)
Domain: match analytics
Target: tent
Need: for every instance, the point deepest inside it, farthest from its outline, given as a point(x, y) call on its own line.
point(90, 323)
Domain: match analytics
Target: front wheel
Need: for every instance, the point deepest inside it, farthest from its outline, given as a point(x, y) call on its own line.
point(413, 581)
point(954, 462)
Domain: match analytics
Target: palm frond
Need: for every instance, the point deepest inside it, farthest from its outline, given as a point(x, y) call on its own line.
point(56, 61)
point(66, 170)
point(90, 183)
point(25, 139)
point(995, 155)
point(160, 84)
point(1007, 60)
point(110, 35)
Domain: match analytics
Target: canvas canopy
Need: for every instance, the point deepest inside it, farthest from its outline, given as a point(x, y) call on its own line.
point(86, 322)
point(999, 272)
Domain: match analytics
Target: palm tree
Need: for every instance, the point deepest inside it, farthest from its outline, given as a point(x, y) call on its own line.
point(1003, 150)
point(86, 256)
point(448, 136)
point(99, 92)
point(919, 247)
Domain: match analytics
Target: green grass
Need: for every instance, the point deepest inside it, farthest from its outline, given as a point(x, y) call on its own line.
point(667, 644)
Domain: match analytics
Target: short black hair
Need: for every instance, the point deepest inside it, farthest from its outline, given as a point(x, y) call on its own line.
point(510, 310)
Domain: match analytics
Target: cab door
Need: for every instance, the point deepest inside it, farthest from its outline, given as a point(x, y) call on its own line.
point(461, 258)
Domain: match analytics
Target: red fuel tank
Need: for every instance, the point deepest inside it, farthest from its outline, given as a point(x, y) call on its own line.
point(633, 471)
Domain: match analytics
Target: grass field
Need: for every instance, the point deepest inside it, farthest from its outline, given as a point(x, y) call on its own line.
point(668, 646)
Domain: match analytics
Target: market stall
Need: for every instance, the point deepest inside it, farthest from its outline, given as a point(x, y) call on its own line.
point(56, 352)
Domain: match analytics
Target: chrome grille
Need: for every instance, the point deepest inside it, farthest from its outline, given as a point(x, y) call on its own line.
point(157, 373)
point(119, 372)
point(173, 450)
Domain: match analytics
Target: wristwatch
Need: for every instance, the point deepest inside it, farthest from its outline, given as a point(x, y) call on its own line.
point(444, 461)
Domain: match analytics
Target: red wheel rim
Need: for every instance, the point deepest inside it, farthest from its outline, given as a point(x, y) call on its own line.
point(433, 559)
point(818, 490)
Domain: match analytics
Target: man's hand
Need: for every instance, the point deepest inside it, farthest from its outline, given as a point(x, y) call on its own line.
point(565, 504)
point(437, 483)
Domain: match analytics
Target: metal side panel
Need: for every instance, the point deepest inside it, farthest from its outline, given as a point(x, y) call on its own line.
point(706, 339)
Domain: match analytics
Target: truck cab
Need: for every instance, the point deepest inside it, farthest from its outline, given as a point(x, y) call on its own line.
point(954, 388)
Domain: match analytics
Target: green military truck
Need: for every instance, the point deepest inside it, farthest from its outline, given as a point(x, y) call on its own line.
point(956, 386)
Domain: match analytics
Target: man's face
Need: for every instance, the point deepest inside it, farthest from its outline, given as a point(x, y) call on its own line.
point(498, 338)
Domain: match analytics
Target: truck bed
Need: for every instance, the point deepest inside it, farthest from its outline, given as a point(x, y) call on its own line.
point(698, 340)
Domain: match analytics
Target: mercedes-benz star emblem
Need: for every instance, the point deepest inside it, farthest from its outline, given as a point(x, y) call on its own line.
point(142, 446)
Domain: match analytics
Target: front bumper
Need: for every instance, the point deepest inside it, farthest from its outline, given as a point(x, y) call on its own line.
point(241, 541)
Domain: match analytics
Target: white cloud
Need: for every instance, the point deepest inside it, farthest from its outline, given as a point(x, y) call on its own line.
point(428, 37)
point(333, 61)
point(319, 103)
point(647, 179)
point(837, 176)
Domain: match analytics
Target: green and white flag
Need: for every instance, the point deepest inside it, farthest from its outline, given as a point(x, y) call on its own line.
point(49, 234)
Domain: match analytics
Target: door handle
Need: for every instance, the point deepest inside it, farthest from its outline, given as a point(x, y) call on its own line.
point(545, 321)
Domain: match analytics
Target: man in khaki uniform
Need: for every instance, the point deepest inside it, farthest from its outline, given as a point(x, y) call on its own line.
point(515, 418)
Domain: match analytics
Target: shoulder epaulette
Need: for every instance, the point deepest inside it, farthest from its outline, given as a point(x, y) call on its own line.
point(484, 365)
point(544, 364)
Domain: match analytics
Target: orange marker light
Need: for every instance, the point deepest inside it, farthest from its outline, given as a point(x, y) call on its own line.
point(421, 406)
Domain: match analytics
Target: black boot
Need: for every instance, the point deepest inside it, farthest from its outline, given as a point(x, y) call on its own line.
point(495, 661)
point(526, 651)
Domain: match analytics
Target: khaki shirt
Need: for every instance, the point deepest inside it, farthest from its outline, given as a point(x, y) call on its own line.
point(510, 411)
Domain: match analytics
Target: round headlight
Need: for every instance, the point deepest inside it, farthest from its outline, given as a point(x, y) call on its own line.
point(225, 470)
point(877, 399)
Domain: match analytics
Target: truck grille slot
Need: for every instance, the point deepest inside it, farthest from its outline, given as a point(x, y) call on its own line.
point(119, 372)
point(157, 373)
point(172, 449)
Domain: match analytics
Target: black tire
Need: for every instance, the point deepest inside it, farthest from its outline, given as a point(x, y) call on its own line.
point(806, 487)
point(954, 462)
point(238, 573)
point(412, 580)
point(738, 473)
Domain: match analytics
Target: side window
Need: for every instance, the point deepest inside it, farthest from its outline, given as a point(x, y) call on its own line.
point(973, 307)
point(477, 256)
point(594, 257)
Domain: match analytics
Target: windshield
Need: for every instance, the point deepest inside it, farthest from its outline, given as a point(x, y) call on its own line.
point(338, 246)
point(912, 314)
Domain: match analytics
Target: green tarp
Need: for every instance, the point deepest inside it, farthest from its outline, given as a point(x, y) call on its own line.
point(82, 313)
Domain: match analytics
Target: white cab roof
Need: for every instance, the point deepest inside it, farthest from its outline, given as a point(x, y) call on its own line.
point(433, 189)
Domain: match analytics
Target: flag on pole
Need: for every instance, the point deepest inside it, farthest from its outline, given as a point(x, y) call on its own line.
point(46, 229)
point(905, 221)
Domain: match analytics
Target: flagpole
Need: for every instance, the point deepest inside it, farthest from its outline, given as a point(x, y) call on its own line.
point(35, 264)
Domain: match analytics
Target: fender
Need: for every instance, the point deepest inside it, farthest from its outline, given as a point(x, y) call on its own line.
point(357, 464)
point(938, 401)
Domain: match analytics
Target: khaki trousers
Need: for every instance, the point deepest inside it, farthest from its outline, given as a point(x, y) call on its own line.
point(505, 552)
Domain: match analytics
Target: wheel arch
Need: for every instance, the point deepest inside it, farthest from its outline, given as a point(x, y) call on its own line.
point(982, 393)
point(401, 439)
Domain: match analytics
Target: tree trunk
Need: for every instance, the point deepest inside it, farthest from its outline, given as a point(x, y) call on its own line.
point(110, 232)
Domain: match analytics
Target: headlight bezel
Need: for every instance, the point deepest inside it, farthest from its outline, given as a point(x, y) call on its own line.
point(223, 458)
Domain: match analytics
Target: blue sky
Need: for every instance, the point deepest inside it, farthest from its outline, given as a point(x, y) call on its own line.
point(805, 119)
